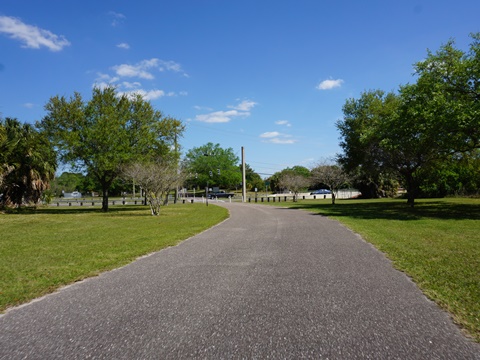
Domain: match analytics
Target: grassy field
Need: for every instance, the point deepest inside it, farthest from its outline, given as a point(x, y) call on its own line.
point(45, 249)
point(437, 243)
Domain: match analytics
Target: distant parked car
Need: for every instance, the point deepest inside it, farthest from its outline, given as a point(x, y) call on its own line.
point(220, 194)
point(76, 194)
point(320, 192)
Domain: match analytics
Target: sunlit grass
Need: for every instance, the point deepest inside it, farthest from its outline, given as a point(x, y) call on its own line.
point(44, 249)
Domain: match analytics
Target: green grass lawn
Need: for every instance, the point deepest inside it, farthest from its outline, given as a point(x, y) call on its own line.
point(44, 249)
point(437, 243)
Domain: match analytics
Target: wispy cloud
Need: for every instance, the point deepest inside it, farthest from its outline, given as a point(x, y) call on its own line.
point(219, 116)
point(275, 137)
point(31, 36)
point(28, 105)
point(270, 134)
point(123, 46)
point(127, 78)
point(144, 69)
point(330, 84)
point(147, 95)
point(283, 122)
point(242, 109)
point(117, 18)
point(282, 141)
point(140, 70)
point(202, 108)
point(245, 105)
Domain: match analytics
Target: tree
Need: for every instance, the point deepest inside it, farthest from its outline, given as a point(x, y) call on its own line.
point(332, 175)
point(275, 179)
point(68, 182)
point(254, 180)
point(102, 135)
point(294, 182)
point(27, 163)
point(157, 178)
point(361, 132)
point(210, 164)
point(415, 133)
point(451, 77)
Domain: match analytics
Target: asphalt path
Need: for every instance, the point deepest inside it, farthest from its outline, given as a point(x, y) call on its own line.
point(268, 283)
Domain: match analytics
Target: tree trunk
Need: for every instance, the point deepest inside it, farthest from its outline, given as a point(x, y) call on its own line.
point(412, 189)
point(105, 197)
point(333, 197)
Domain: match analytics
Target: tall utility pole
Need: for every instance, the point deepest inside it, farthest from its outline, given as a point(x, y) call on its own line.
point(244, 184)
point(176, 153)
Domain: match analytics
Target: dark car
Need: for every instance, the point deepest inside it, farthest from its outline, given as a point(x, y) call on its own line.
point(220, 194)
point(320, 192)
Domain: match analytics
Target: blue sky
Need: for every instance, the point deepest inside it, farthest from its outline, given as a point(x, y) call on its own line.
point(271, 76)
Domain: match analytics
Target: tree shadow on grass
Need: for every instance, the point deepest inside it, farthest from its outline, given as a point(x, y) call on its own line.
point(130, 210)
point(396, 210)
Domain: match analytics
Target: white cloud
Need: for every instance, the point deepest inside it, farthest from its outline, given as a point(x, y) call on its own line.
point(131, 85)
point(138, 70)
point(274, 137)
point(270, 134)
point(245, 105)
point(123, 46)
point(283, 122)
point(169, 65)
point(239, 110)
point(330, 84)
point(28, 105)
point(31, 36)
point(147, 95)
point(104, 80)
point(219, 116)
point(282, 141)
point(142, 70)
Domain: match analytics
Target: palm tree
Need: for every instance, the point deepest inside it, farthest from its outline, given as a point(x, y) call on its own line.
point(28, 163)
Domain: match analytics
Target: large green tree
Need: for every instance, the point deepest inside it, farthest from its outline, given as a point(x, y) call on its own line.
point(214, 165)
point(391, 135)
point(28, 163)
point(361, 131)
point(103, 134)
point(415, 133)
point(450, 78)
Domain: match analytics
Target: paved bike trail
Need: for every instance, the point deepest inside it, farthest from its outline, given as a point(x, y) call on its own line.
point(268, 283)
